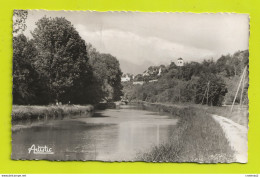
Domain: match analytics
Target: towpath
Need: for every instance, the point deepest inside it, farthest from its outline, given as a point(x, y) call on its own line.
point(236, 135)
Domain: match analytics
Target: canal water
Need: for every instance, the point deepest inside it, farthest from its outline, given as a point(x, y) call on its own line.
point(110, 135)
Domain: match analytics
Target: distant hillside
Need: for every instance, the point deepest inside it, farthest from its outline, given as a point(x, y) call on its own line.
point(208, 82)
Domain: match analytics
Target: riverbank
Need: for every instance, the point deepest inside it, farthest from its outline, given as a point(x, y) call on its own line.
point(31, 113)
point(196, 138)
point(239, 113)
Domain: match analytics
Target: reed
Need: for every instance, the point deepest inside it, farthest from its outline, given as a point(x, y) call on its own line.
point(49, 112)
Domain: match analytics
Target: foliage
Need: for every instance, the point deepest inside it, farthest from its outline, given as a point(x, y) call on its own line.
point(19, 17)
point(189, 83)
point(61, 59)
point(54, 66)
point(58, 65)
point(107, 73)
point(212, 88)
point(28, 85)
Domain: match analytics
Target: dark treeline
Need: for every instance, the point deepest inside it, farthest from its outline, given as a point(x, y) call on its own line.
point(189, 83)
point(56, 65)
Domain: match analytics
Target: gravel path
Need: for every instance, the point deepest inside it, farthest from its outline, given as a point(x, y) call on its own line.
point(236, 135)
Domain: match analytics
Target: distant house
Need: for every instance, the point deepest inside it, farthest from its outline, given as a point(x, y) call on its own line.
point(180, 62)
point(125, 78)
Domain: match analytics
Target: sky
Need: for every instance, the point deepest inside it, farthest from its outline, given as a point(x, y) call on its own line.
point(139, 40)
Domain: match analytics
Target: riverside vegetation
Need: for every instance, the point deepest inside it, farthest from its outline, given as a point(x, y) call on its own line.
point(23, 113)
point(57, 66)
point(196, 138)
point(189, 84)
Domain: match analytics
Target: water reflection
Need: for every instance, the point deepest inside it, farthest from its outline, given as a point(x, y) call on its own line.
point(110, 135)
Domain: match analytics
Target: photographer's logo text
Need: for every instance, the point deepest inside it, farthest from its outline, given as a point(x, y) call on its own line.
point(40, 149)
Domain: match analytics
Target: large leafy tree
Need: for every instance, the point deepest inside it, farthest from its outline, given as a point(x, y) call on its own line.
point(21, 71)
point(28, 86)
point(108, 74)
point(62, 59)
point(113, 75)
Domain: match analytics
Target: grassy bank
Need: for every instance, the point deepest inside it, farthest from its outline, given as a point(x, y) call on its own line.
point(20, 113)
point(239, 113)
point(196, 138)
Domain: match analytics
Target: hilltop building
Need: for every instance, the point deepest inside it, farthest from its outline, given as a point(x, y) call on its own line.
point(180, 62)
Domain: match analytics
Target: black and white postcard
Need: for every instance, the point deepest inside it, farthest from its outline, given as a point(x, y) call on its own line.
point(130, 86)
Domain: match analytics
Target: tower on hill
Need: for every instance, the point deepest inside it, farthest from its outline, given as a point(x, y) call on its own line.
point(180, 62)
